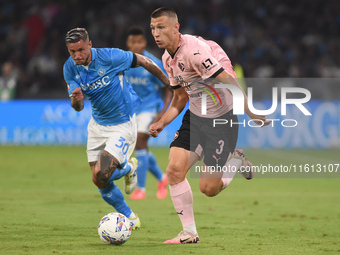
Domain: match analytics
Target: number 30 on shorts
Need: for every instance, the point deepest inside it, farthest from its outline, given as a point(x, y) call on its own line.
point(123, 145)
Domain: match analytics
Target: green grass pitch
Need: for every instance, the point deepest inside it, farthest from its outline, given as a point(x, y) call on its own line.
point(48, 205)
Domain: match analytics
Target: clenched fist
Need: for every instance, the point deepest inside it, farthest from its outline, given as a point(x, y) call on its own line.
point(77, 94)
point(156, 128)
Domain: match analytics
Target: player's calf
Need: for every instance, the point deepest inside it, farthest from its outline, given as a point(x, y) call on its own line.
point(106, 166)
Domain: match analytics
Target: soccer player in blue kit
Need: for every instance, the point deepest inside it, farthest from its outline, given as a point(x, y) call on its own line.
point(147, 87)
point(99, 74)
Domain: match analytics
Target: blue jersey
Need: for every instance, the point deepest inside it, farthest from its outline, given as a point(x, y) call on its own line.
point(102, 81)
point(146, 85)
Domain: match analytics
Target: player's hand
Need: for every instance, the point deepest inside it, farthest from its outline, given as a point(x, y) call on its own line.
point(260, 120)
point(77, 94)
point(156, 128)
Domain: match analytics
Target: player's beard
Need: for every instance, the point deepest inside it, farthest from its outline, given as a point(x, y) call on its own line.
point(86, 61)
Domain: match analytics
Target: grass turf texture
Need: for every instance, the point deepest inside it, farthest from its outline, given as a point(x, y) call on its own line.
point(48, 205)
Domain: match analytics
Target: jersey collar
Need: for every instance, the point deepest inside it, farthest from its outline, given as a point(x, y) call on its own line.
point(179, 45)
point(94, 54)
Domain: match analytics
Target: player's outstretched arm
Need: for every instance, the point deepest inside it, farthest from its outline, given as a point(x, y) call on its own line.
point(258, 119)
point(149, 65)
point(177, 105)
point(77, 100)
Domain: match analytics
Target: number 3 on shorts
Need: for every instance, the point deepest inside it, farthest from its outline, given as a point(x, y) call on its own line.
point(123, 145)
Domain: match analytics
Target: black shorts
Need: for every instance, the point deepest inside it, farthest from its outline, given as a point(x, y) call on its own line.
point(199, 135)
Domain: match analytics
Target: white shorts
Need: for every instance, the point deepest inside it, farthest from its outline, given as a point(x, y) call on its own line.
point(144, 120)
point(118, 140)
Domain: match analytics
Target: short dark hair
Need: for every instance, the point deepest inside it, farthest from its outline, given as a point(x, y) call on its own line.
point(164, 11)
point(135, 30)
point(76, 34)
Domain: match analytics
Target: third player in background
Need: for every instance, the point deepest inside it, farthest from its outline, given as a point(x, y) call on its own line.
point(148, 88)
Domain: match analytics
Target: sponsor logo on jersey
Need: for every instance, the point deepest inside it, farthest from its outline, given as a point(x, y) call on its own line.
point(196, 95)
point(179, 79)
point(138, 81)
point(97, 84)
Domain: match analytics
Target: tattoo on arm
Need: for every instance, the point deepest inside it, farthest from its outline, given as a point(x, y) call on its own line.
point(149, 65)
point(77, 105)
point(108, 165)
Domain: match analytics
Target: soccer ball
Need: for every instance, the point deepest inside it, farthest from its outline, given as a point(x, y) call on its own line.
point(114, 228)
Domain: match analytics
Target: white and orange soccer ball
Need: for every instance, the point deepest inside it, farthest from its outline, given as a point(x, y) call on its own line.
point(114, 228)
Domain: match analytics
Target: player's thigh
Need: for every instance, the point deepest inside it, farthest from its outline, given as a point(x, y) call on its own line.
point(210, 186)
point(93, 166)
point(194, 157)
point(121, 140)
point(186, 138)
point(210, 180)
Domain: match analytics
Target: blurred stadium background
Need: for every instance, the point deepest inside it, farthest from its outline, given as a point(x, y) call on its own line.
point(266, 39)
point(48, 203)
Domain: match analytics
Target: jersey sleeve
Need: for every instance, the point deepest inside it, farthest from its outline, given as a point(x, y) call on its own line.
point(203, 62)
point(121, 60)
point(69, 78)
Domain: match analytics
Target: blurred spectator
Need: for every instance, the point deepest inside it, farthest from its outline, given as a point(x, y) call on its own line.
point(8, 81)
point(284, 38)
point(35, 27)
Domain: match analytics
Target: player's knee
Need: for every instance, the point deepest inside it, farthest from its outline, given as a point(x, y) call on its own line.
point(173, 171)
point(98, 182)
point(208, 190)
point(102, 176)
point(141, 144)
point(142, 141)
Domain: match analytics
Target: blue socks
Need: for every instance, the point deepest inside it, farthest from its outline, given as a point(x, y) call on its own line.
point(154, 168)
point(147, 161)
point(143, 165)
point(113, 196)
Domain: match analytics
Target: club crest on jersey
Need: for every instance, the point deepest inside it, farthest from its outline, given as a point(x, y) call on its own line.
point(181, 66)
point(175, 136)
point(101, 72)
